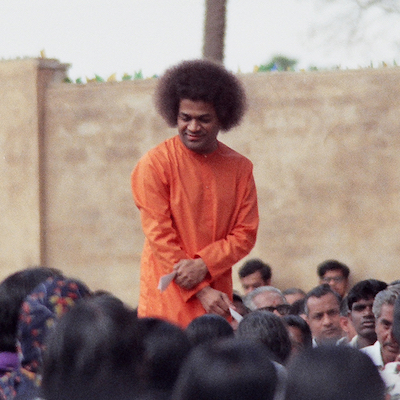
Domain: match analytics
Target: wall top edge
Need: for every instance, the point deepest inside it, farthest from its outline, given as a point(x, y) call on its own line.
point(42, 63)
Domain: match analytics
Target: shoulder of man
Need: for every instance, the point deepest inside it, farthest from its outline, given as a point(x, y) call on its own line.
point(229, 152)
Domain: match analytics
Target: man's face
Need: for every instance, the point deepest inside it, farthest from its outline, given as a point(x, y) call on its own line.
point(198, 126)
point(252, 281)
point(383, 327)
point(363, 319)
point(336, 281)
point(324, 318)
point(266, 300)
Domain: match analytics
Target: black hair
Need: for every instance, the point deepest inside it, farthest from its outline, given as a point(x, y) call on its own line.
point(227, 370)
point(254, 265)
point(201, 80)
point(93, 352)
point(208, 327)
point(298, 322)
point(364, 290)
point(297, 307)
point(268, 329)
point(320, 291)
point(334, 372)
point(332, 265)
point(166, 346)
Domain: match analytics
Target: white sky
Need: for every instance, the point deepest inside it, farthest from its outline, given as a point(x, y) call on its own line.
point(104, 37)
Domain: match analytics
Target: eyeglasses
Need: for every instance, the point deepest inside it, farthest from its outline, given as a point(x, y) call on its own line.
point(283, 309)
point(335, 279)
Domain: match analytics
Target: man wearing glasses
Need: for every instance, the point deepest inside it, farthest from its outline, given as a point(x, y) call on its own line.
point(268, 298)
point(335, 274)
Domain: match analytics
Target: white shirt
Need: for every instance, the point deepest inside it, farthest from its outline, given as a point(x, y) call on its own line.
point(375, 354)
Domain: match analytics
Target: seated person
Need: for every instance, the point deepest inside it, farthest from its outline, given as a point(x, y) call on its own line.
point(299, 333)
point(333, 373)
point(13, 291)
point(208, 328)
point(228, 370)
point(165, 346)
point(268, 329)
point(94, 352)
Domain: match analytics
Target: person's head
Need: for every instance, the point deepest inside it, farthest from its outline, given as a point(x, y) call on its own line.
point(335, 274)
point(396, 320)
point(227, 370)
point(322, 308)
point(13, 291)
point(299, 333)
point(253, 274)
point(207, 328)
point(267, 298)
point(268, 329)
point(166, 346)
point(359, 301)
point(345, 322)
point(201, 98)
point(40, 312)
point(332, 373)
point(294, 294)
point(94, 352)
point(383, 309)
point(297, 308)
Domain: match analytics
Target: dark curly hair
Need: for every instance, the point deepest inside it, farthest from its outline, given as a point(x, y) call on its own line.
point(201, 80)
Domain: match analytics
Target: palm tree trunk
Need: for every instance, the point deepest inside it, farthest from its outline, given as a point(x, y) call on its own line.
point(214, 30)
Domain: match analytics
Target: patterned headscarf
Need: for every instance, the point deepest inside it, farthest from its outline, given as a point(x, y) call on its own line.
point(39, 312)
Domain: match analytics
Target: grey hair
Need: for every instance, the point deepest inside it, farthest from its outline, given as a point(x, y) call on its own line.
point(248, 300)
point(387, 296)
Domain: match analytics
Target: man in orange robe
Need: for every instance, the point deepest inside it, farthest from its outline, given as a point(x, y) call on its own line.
point(196, 196)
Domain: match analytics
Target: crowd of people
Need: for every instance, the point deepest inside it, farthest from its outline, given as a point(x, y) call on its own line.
point(192, 337)
point(59, 340)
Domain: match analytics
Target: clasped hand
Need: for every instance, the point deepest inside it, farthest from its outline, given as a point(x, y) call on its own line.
point(190, 273)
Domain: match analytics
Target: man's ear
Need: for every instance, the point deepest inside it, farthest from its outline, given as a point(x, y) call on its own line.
point(344, 323)
point(350, 317)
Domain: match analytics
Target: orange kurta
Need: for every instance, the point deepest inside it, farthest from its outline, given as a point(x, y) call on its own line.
point(191, 206)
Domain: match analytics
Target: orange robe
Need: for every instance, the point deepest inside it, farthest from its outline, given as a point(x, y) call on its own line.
point(192, 206)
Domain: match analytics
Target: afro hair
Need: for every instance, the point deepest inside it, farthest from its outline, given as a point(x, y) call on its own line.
point(201, 80)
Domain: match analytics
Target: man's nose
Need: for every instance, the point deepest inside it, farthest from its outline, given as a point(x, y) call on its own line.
point(368, 310)
point(326, 320)
point(193, 125)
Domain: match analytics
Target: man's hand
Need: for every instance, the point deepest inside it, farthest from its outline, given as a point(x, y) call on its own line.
point(214, 301)
point(190, 273)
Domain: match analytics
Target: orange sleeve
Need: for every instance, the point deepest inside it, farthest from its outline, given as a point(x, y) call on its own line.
point(150, 190)
point(220, 255)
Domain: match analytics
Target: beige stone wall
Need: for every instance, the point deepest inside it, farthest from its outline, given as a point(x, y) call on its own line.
point(326, 162)
point(19, 164)
point(326, 151)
